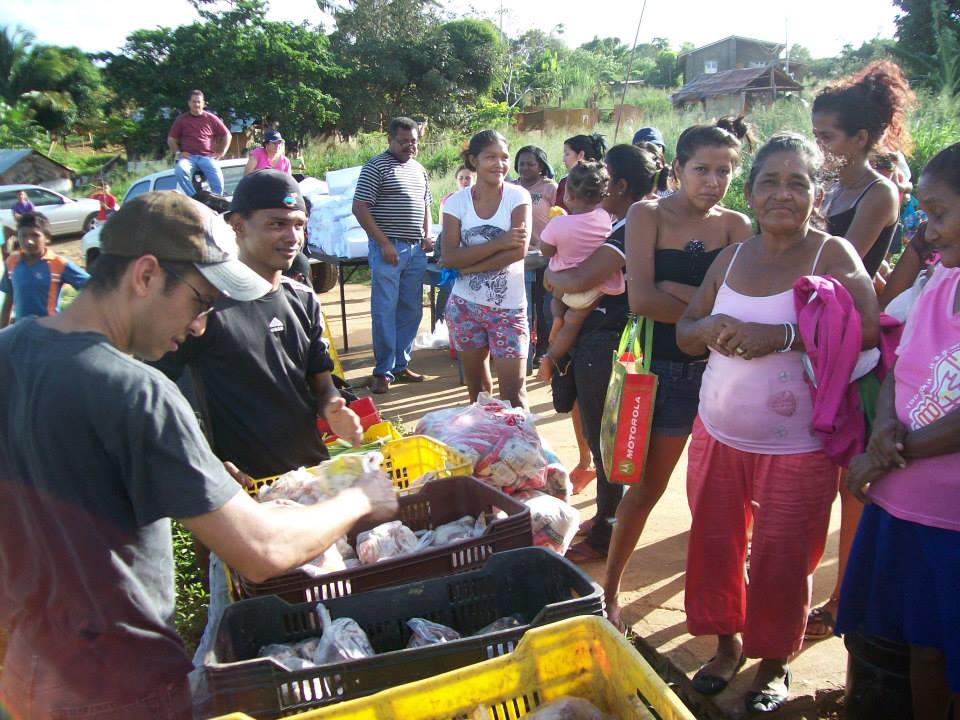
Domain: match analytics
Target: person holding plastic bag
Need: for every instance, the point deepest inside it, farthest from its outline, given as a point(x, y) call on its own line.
point(753, 455)
point(671, 243)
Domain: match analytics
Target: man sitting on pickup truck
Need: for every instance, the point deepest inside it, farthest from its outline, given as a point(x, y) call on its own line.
point(197, 140)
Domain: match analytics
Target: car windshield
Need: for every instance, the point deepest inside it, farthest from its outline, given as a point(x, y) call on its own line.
point(231, 178)
point(138, 189)
point(168, 182)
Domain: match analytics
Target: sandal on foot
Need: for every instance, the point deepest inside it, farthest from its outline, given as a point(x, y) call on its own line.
point(820, 623)
point(586, 526)
point(583, 552)
point(765, 701)
point(707, 684)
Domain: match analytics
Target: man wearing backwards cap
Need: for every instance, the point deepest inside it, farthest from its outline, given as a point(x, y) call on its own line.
point(98, 451)
point(263, 366)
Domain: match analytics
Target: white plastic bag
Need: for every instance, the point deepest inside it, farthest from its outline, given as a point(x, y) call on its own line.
point(342, 640)
point(389, 540)
point(554, 522)
point(429, 633)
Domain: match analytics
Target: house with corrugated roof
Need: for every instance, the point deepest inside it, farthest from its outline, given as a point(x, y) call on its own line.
point(26, 166)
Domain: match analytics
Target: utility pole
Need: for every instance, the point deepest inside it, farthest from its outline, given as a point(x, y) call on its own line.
point(786, 41)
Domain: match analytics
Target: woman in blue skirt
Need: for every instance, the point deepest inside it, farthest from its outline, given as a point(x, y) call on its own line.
point(903, 579)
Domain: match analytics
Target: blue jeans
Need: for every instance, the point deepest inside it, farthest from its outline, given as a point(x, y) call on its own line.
point(396, 305)
point(210, 168)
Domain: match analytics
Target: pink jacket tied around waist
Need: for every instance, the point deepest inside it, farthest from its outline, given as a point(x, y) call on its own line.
point(830, 327)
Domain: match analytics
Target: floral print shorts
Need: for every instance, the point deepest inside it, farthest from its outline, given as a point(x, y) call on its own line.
point(473, 327)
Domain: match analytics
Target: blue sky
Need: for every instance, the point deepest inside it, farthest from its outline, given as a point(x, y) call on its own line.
point(823, 26)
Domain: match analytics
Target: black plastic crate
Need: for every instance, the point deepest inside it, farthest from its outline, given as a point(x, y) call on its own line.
point(438, 502)
point(534, 583)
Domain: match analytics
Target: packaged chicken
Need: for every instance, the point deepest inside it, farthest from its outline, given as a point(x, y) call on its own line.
point(342, 640)
point(329, 561)
point(460, 529)
point(389, 540)
point(429, 633)
point(309, 486)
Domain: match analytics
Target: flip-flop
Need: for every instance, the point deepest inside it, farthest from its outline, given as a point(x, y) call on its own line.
point(764, 701)
point(713, 684)
point(822, 617)
point(583, 552)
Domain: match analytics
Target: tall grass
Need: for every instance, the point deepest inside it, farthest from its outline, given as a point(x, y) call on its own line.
point(934, 123)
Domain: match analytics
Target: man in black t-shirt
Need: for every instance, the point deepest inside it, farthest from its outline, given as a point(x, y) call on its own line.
point(262, 369)
point(98, 451)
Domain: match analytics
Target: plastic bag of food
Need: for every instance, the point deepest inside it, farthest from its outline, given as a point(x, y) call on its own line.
point(554, 522)
point(429, 633)
point(342, 640)
point(329, 561)
point(286, 655)
point(389, 540)
point(504, 623)
point(307, 648)
point(345, 548)
point(345, 470)
point(456, 530)
point(309, 486)
point(500, 441)
point(568, 708)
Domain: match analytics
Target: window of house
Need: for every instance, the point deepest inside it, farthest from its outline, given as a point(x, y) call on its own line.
point(709, 67)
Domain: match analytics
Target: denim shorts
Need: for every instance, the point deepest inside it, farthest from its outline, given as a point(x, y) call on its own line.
point(474, 327)
point(678, 396)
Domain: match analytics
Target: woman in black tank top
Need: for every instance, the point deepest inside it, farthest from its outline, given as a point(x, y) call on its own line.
point(671, 243)
point(850, 121)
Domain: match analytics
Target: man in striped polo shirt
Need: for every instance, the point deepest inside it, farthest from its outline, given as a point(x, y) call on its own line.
point(392, 204)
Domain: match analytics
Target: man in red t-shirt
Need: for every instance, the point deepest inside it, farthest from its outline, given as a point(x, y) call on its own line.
point(108, 201)
point(197, 140)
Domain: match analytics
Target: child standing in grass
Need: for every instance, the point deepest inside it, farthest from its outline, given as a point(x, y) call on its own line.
point(568, 240)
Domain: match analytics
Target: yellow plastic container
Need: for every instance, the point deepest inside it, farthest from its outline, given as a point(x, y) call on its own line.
point(409, 458)
point(381, 431)
point(405, 459)
point(585, 657)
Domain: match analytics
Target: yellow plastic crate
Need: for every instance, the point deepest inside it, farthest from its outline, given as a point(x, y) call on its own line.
point(381, 431)
point(409, 458)
point(585, 657)
point(405, 459)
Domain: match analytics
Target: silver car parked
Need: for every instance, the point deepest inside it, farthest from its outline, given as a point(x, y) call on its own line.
point(66, 215)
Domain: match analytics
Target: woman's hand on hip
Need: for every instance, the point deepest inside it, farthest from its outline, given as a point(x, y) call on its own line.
point(749, 340)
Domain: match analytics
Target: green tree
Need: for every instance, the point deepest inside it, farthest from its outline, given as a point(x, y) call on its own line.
point(928, 42)
point(402, 58)
point(15, 42)
point(249, 68)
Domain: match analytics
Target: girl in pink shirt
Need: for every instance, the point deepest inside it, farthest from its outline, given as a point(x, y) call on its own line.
point(903, 578)
point(568, 240)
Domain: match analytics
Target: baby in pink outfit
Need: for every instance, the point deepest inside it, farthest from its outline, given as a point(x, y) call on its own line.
point(568, 241)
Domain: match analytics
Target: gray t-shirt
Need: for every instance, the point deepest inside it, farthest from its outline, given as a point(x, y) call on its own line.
point(97, 452)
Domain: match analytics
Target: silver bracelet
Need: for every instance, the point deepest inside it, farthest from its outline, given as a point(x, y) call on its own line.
point(789, 335)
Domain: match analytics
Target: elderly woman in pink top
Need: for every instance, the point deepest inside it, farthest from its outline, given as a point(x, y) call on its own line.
point(752, 453)
point(269, 156)
point(903, 577)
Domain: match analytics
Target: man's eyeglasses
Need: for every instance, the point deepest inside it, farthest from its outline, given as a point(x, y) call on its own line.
point(206, 306)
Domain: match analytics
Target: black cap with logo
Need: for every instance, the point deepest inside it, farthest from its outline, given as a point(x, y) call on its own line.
point(267, 190)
